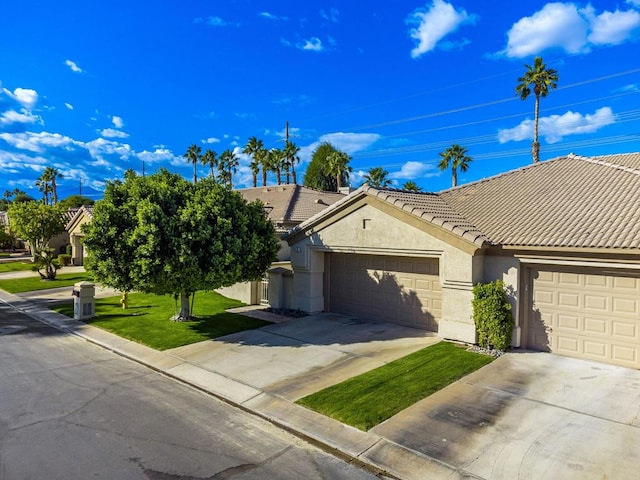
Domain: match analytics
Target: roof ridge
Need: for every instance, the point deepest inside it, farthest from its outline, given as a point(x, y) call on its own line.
point(597, 161)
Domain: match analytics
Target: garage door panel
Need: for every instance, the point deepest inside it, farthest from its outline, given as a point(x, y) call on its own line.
point(387, 289)
point(586, 314)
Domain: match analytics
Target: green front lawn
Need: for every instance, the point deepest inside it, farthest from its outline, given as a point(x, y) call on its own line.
point(147, 320)
point(28, 284)
point(369, 399)
point(14, 266)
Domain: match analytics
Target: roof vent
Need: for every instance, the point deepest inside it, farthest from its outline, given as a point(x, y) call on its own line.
point(319, 201)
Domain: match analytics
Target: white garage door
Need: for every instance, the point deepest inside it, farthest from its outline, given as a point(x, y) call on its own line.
point(400, 290)
point(586, 314)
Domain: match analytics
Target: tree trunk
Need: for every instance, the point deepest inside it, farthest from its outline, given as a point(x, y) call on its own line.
point(454, 177)
point(185, 309)
point(124, 300)
point(264, 177)
point(255, 180)
point(293, 175)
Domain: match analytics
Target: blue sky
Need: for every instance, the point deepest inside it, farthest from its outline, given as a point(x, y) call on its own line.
point(95, 88)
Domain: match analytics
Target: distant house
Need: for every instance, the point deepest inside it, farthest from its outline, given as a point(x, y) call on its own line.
point(287, 206)
point(564, 236)
point(80, 216)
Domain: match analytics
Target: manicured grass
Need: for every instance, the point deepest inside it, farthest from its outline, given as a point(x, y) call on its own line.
point(369, 399)
point(15, 266)
point(28, 284)
point(147, 320)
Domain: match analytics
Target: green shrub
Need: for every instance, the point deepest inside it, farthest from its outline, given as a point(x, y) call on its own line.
point(64, 259)
point(492, 315)
point(68, 249)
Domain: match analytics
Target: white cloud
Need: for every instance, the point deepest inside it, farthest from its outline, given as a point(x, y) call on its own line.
point(555, 127)
point(100, 147)
point(612, 28)
point(11, 116)
point(117, 121)
point(73, 66)
point(349, 143)
point(433, 23)
point(567, 27)
point(113, 133)
point(159, 155)
point(313, 44)
point(414, 169)
point(24, 96)
point(210, 140)
point(273, 17)
point(332, 15)
point(69, 106)
point(37, 142)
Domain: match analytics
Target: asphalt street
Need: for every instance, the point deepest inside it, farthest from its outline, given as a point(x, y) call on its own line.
point(72, 410)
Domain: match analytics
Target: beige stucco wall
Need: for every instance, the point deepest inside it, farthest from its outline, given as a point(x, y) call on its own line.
point(246, 292)
point(369, 230)
point(78, 252)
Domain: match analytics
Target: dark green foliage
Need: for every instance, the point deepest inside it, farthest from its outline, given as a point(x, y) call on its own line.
point(159, 234)
point(64, 259)
point(36, 223)
point(492, 315)
point(7, 240)
point(318, 175)
point(75, 201)
point(45, 263)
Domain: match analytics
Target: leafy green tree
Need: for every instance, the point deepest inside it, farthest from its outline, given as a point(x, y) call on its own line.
point(23, 197)
point(209, 159)
point(159, 234)
point(411, 186)
point(75, 201)
point(36, 223)
point(254, 148)
point(318, 175)
point(377, 177)
point(193, 156)
point(456, 157)
point(337, 166)
point(7, 240)
point(541, 79)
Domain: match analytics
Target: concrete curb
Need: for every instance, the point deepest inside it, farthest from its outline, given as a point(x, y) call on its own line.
point(367, 450)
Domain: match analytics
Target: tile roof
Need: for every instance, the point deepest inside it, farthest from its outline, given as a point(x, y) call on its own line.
point(73, 214)
point(572, 201)
point(290, 204)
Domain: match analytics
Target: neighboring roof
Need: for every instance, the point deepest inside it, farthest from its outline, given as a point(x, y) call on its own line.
point(74, 214)
point(290, 204)
point(571, 201)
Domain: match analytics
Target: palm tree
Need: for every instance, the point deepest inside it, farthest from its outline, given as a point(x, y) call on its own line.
point(291, 158)
point(262, 156)
point(541, 79)
point(42, 182)
point(411, 186)
point(227, 167)
point(457, 157)
point(337, 165)
point(193, 156)
point(51, 174)
point(275, 163)
point(209, 158)
point(377, 177)
point(254, 148)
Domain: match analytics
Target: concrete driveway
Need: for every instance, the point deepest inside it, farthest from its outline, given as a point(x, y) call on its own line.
point(301, 356)
point(530, 416)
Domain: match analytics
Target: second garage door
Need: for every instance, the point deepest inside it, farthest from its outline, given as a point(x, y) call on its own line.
point(586, 313)
point(400, 290)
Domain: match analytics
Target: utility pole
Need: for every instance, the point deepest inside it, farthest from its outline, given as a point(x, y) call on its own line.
point(143, 168)
point(80, 181)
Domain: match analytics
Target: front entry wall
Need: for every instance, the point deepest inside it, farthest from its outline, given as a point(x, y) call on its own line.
point(586, 314)
point(400, 290)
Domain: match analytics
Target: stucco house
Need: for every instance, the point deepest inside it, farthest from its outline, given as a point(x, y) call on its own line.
point(81, 216)
point(563, 234)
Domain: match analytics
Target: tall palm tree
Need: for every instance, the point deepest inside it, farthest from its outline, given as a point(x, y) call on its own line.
point(276, 157)
point(411, 186)
point(457, 157)
point(51, 175)
point(541, 79)
point(209, 159)
point(262, 156)
point(338, 165)
point(253, 148)
point(42, 182)
point(227, 166)
point(377, 177)
point(291, 158)
point(193, 156)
